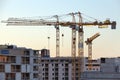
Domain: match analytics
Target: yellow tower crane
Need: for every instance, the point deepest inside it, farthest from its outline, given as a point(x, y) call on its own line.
point(73, 48)
point(89, 43)
point(57, 37)
point(75, 25)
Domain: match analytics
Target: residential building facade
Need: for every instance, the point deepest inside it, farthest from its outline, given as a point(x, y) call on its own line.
point(18, 63)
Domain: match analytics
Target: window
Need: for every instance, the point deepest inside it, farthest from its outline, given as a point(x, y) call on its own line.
point(46, 78)
point(35, 60)
point(10, 76)
point(97, 69)
point(52, 69)
point(66, 78)
point(46, 74)
point(11, 59)
point(35, 68)
point(86, 68)
point(46, 69)
point(36, 53)
point(35, 75)
point(46, 65)
point(66, 69)
point(56, 65)
point(56, 74)
point(15, 68)
point(66, 65)
point(56, 69)
point(52, 73)
point(102, 60)
point(56, 78)
point(66, 74)
point(3, 58)
point(25, 60)
point(27, 52)
point(53, 78)
point(52, 64)
point(2, 68)
point(25, 76)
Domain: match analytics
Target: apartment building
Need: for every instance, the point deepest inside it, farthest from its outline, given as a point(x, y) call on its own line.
point(17, 63)
point(60, 68)
point(109, 70)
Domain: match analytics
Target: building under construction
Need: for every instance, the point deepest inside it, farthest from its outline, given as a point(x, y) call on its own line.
point(18, 63)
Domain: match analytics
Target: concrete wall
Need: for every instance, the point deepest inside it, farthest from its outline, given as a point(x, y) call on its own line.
point(18, 59)
point(100, 76)
point(108, 68)
point(7, 68)
point(2, 76)
point(18, 76)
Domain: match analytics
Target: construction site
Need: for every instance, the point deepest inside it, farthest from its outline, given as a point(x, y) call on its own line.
point(17, 63)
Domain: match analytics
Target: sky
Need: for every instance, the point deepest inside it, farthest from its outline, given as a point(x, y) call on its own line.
point(36, 37)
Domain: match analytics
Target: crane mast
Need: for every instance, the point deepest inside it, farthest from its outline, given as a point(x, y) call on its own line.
point(89, 43)
point(80, 46)
point(73, 48)
point(57, 37)
point(57, 41)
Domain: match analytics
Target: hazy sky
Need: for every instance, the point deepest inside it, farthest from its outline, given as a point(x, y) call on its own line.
point(107, 45)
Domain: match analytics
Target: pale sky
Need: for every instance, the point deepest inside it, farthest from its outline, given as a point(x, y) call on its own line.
point(35, 37)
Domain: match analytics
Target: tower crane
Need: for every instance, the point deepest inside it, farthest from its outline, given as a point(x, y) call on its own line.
point(74, 25)
point(89, 43)
point(73, 48)
point(57, 37)
point(80, 46)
